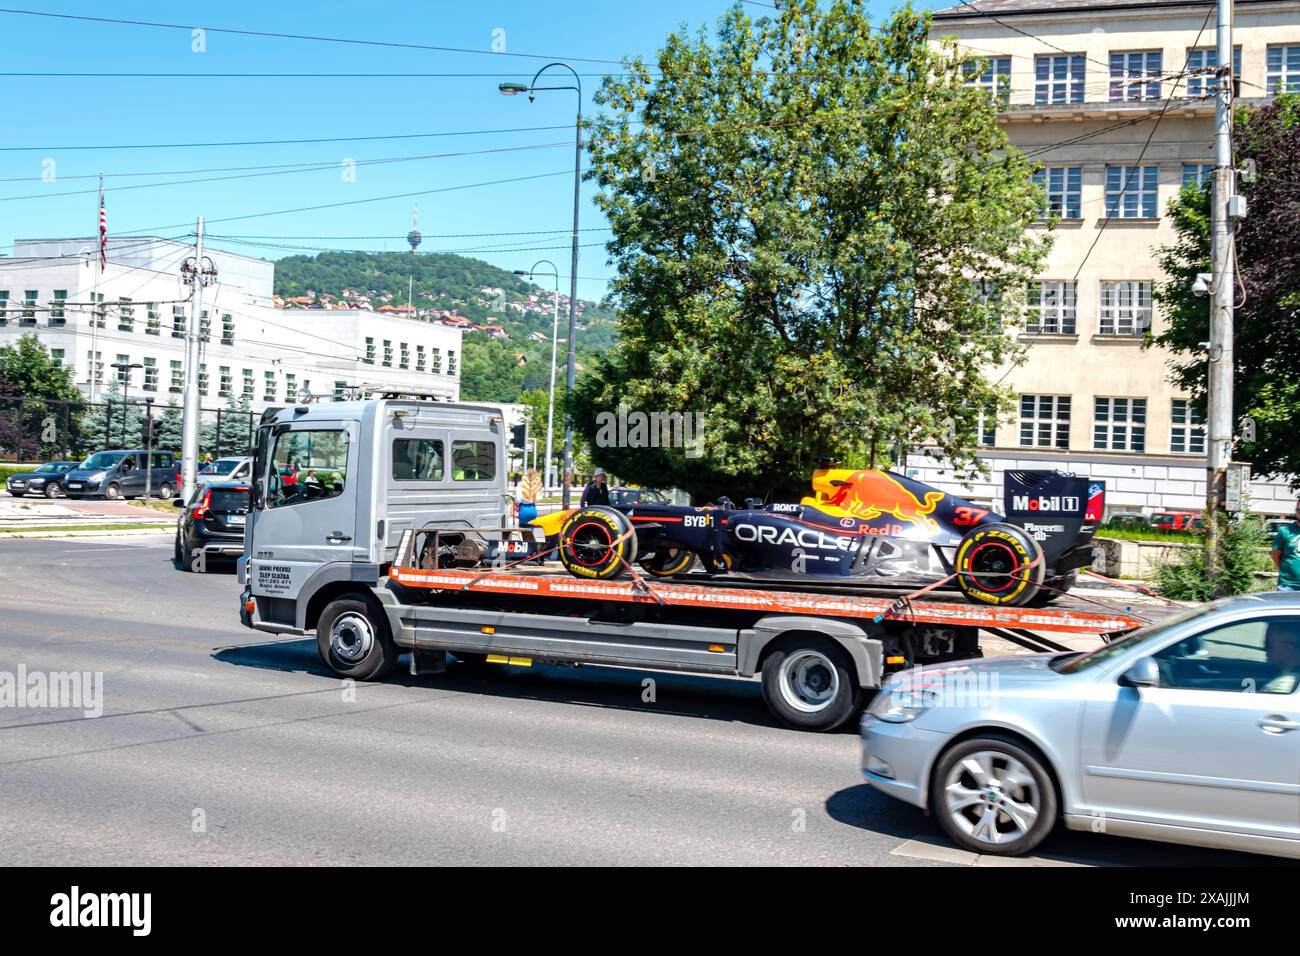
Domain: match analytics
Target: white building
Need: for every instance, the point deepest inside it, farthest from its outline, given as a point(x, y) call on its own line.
point(1115, 100)
point(137, 309)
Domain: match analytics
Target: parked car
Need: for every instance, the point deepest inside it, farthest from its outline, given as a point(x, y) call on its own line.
point(212, 522)
point(1273, 525)
point(121, 474)
point(1186, 731)
point(46, 480)
point(1178, 521)
point(636, 495)
point(288, 474)
point(226, 469)
point(1126, 519)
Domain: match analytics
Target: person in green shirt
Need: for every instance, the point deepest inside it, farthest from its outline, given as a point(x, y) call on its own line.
point(1286, 554)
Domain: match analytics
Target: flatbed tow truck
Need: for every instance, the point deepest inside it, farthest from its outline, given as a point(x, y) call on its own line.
point(407, 491)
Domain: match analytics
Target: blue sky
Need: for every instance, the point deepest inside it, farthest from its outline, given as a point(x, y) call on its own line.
point(47, 116)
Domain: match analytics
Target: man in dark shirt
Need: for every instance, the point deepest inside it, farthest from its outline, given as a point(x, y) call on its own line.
point(596, 493)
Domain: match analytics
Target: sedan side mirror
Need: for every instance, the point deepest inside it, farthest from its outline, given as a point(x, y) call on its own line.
point(1143, 673)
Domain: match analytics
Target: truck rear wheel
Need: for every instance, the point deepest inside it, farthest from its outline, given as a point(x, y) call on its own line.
point(810, 683)
point(352, 639)
point(597, 543)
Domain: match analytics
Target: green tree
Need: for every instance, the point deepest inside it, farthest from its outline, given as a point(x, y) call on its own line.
point(232, 433)
point(170, 429)
point(1240, 556)
point(111, 423)
point(820, 235)
point(42, 424)
point(1266, 339)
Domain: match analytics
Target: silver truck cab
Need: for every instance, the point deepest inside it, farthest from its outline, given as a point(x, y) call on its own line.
point(336, 484)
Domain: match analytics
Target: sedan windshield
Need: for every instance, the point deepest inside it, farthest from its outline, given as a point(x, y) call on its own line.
point(222, 466)
point(1073, 663)
point(103, 459)
point(48, 469)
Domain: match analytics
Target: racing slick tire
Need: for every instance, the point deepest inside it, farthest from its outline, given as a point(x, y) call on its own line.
point(667, 562)
point(597, 543)
point(1056, 588)
point(809, 683)
point(999, 564)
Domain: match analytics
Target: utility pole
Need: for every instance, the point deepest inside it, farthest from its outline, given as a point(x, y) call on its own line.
point(1219, 401)
point(197, 272)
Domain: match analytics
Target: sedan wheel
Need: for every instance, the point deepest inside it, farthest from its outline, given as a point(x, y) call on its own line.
point(52, 490)
point(994, 796)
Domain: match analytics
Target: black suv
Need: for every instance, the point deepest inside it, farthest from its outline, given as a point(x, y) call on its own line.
point(212, 524)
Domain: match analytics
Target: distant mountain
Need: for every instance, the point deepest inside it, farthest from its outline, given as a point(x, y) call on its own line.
point(510, 352)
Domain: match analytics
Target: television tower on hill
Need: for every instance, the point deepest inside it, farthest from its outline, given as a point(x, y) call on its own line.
point(414, 237)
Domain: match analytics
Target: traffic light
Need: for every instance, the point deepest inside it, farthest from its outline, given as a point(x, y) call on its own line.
point(518, 435)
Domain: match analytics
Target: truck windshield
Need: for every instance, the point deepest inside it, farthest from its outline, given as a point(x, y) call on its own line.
point(103, 459)
point(318, 461)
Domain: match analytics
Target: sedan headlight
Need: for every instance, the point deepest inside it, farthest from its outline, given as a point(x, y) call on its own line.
point(36, 481)
point(902, 703)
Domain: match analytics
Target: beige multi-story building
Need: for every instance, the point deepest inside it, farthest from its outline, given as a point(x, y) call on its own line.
point(1116, 100)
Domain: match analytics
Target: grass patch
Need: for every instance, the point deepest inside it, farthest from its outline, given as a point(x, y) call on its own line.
point(1150, 534)
point(163, 505)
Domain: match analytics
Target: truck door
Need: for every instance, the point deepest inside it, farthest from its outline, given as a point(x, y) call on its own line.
point(307, 515)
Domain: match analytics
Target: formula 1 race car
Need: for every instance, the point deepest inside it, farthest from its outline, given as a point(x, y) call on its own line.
point(859, 527)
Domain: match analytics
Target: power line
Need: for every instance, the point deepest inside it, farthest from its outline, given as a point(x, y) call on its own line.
point(189, 28)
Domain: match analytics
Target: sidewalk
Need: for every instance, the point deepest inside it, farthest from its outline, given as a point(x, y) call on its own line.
point(17, 513)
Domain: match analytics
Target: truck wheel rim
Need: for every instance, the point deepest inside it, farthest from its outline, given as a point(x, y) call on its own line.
point(351, 638)
point(992, 797)
point(809, 681)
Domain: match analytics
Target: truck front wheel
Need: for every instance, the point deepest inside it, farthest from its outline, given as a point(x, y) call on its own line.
point(352, 639)
point(809, 683)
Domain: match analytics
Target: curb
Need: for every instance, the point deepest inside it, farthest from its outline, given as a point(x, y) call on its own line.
point(104, 533)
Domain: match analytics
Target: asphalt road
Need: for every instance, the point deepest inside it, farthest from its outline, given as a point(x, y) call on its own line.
point(219, 745)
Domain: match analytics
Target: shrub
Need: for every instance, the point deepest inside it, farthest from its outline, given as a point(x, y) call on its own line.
point(1185, 579)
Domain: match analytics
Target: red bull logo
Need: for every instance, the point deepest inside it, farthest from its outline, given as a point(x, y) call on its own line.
point(870, 494)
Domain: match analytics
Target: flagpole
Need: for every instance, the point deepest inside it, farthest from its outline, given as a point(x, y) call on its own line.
point(94, 295)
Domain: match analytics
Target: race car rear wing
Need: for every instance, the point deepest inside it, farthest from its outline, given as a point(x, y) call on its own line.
point(1059, 510)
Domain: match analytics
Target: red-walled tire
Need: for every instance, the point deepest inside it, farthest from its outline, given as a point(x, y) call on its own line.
point(999, 564)
point(597, 543)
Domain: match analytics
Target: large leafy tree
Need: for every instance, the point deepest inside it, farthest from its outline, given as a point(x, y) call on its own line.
point(817, 227)
point(38, 401)
point(1266, 339)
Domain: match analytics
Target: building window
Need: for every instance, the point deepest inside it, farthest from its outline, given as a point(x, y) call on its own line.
point(451, 362)
point(122, 371)
point(1201, 64)
point(1059, 79)
point(203, 378)
point(388, 353)
point(994, 79)
point(100, 313)
point(370, 350)
point(151, 375)
point(227, 384)
point(125, 315)
point(340, 391)
point(1119, 424)
point(248, 382)
point(1125, 308)
point(58, 307)
point(151, 324)
point(1283, 74)
point(95, 360)
point(1063, 186)
point(4, 305)
point(29, 307)
point(1187, 433)
point(419, 358)
point(405, 360)
point(1199, 174)
point(205, 326)
point(268, 386)
point(227, 329)
point(1051, 308)
point(1045, 421)
point(56, 357)
point(435, 361)
point(988, 427)
point(178, 321)
point(290, 386)
point(178, 381)
point(1135, 76)
point(1132, 191)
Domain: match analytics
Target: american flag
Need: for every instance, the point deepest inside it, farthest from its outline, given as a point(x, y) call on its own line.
point(103, 228)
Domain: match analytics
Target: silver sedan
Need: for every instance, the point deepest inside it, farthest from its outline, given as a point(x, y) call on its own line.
point(1187, 731)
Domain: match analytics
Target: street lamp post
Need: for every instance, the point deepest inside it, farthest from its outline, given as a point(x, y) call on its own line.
point(124, 371)
point(513, 89)
point(549, 474)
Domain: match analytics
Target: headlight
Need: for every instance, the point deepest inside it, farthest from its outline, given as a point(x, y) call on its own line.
point(898, 705)
point(97, 476)
point(36, 481)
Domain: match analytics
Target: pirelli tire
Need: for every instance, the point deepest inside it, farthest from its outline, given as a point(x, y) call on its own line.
point(597, 543)
point(667, 562)
point(999, 564)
